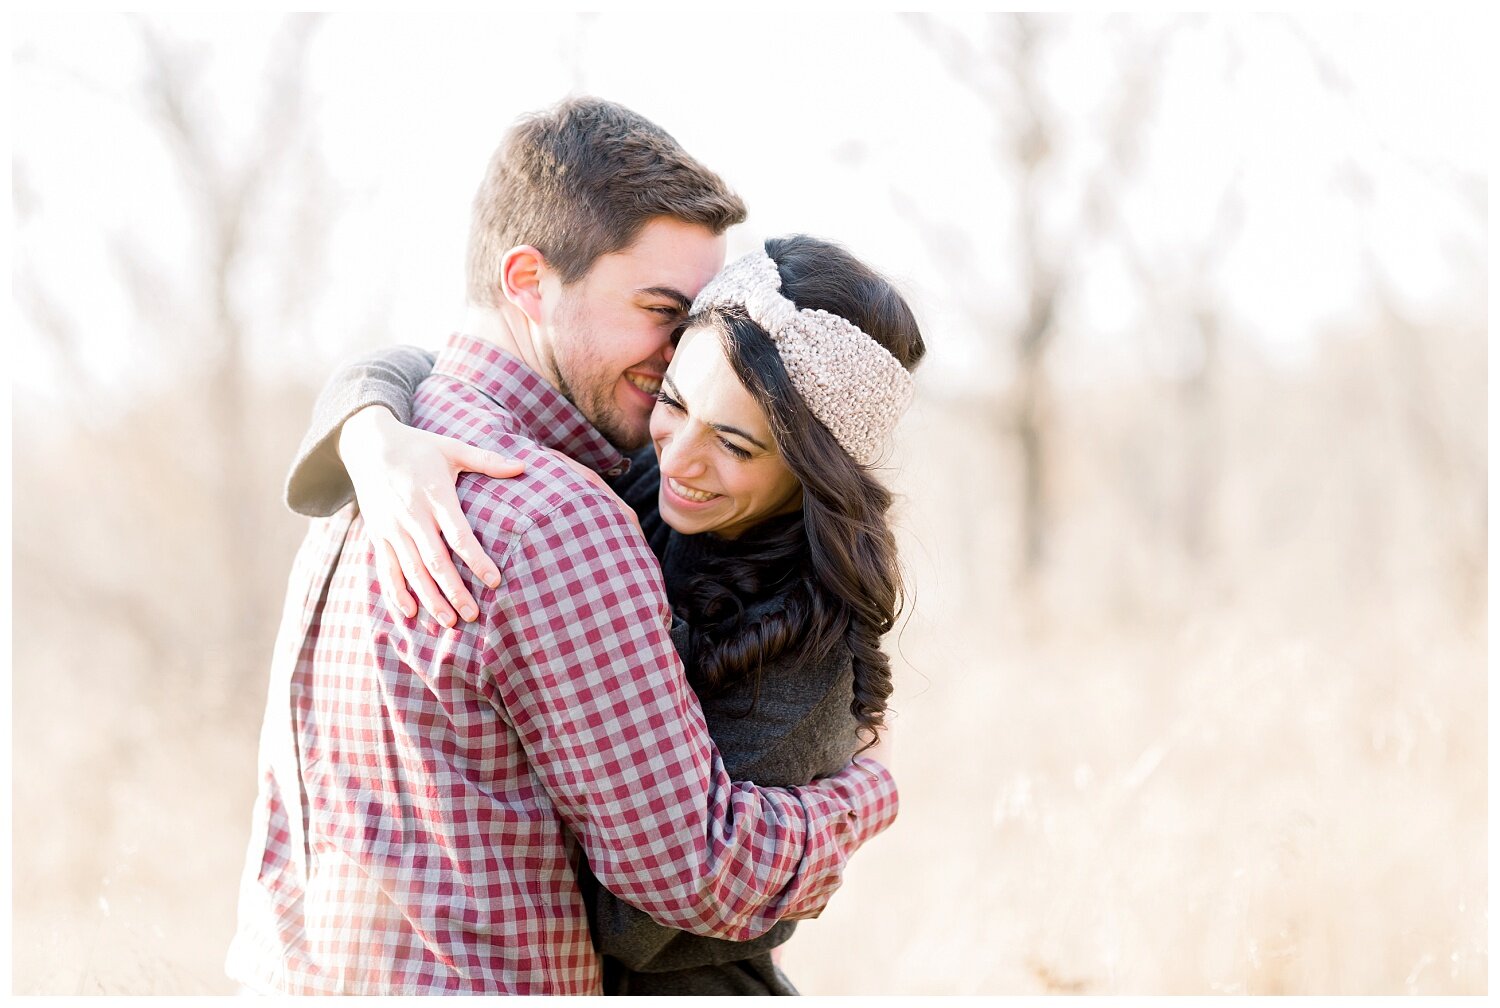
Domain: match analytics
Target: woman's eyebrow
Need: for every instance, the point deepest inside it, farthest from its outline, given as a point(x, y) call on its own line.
point(726, 429)
point(721, 428)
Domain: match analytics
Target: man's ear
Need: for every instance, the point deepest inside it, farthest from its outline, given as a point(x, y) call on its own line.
point(521, 272)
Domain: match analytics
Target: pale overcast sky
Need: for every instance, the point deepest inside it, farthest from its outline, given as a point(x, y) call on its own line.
point(851, 131)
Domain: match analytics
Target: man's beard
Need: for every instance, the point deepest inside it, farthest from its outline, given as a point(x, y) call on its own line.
point(594, 391)
point(598, 406)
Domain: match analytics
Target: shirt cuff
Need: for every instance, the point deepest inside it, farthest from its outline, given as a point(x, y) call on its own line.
point(873, 791)
point(867, 799)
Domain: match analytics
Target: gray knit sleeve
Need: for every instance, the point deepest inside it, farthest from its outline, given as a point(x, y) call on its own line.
point(318, 484)
point(800, 729)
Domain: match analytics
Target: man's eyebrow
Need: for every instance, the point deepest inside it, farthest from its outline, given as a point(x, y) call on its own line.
point(684, 303)
point(721, 428)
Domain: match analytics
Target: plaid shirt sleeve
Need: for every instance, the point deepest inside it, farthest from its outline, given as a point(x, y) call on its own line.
point(580, 661)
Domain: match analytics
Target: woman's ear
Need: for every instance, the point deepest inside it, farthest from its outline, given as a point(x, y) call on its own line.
point(521, 272)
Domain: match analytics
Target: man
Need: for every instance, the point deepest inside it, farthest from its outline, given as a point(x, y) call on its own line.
point(428, 790)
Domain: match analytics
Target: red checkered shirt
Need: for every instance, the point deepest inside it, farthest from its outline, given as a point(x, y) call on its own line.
point(426, 793)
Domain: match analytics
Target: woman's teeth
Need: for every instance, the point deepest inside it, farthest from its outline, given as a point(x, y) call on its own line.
point(650, 386)
point(696, 496)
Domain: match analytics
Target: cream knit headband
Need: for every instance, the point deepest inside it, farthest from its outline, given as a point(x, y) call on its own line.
point(851, 383)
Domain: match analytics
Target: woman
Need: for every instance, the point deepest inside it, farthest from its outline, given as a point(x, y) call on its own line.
point(775, 548)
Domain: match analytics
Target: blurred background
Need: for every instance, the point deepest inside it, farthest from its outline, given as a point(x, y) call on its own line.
point(1192, 692)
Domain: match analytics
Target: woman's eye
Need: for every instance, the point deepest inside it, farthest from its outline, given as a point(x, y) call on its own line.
point(666, 313)
point(667, 400)
point(734, 449)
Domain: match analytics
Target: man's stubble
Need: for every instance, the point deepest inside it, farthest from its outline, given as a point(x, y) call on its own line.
point(588, 382)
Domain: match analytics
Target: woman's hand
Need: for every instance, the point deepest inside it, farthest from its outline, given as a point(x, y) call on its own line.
point(404, 481)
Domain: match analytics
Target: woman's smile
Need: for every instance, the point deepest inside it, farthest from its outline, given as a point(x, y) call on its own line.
point(689, 494)
point(709, 432)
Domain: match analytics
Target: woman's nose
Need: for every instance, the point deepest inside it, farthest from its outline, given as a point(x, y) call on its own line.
point(679, 455)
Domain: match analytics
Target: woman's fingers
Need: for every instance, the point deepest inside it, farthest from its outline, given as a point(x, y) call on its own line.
point(404, 482)
point(416, 573)
point(450, 516)
point(440, 501)
point(454, 525)
point(392, 584)
point(433, 551)
point(471, 459)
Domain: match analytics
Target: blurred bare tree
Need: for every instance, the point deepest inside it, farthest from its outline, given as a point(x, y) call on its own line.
point(1164, 462)
point(1003, 66)
point(1439, 455)
point(256, 205)
point(149, 550)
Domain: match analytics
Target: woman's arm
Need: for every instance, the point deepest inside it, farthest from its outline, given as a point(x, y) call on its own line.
point(359, 446)
point(318, 484)
point(801, 728)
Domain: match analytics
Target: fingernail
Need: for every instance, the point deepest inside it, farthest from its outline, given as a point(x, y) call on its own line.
point(492, 579)
point(468, 613)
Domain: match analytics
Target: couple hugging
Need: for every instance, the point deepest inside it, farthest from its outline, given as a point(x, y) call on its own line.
point(629, 743)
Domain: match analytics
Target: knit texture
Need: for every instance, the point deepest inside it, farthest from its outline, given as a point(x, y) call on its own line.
point(851, 384)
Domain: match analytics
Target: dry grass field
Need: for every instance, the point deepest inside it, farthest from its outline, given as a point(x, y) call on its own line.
point(1268, 777)
point(1258, 772)
point(1226, 732)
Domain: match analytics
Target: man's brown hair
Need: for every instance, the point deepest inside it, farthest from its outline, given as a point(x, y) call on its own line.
point(581, 180)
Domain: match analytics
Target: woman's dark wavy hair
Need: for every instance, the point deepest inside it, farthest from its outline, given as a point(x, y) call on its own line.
point(831, 568)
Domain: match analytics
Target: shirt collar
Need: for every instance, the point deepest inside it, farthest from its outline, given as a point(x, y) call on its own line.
point(538, 408)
